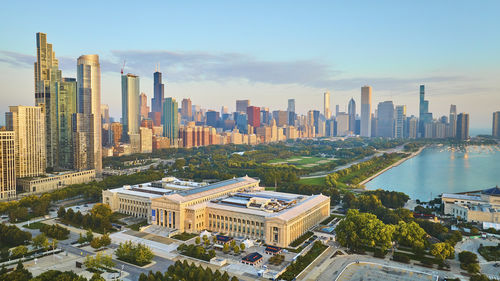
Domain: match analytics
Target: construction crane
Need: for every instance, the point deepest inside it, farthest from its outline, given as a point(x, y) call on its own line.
point(123, 67)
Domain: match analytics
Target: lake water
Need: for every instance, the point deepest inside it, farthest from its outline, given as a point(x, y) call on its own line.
point(443, 169)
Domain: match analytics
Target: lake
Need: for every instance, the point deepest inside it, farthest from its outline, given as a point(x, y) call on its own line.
point(442, 169)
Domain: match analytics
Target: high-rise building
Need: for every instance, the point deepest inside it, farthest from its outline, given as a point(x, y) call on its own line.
point(282, 118)
point(316, 114)
point(186, 109)
point(171, 120)
point(242, 105)
point(7, 165)
point(158, 92)
point(143, 105)
point(463, 126)
point(412, 127)
point(496, 125)
point(351, 110)
point(453, 121)
point(400, 120)
point(326, 105)
point(366, 108)
point(385, 116)
point(212, 118)
point(66, 100)
point(342, 119)
point(116, 132)
point(146, 135)
point(105, 114)
point(424, 115)
point(130, 105)
point(291, 112)
point(28, 123)
point(47, 74)
point(89, 104)
point(224, 110)
point(253, 113)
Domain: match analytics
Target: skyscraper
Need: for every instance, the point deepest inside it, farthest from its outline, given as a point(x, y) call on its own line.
point(385, 116)
point(496, 125)
point(143, 105)
point(66, 100)
point(291, 112)
point(424, 115)
point(241, 105)
point(326, 105)
point(351, 110)
point(130, 105)
point(171, 120)
point(463, 126)
point(47, 74)
point(7, 165)
point(89, 103)
point(366, 108)
point(453, 121)
point(253, 113)
point(316, 114)
point(342, 119)
point(186, 109)
point(105, 114)
point(158, 90)
point(400, 116)
point(28, 123)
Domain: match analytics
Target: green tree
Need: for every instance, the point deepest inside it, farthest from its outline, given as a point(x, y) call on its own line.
point(469, 261)
point(410, 234)
point(225, 249)
point(442, 251)
point(236, 249)
point(242, 246)
point(197, 240)
point(40, 241)
point(19, 251)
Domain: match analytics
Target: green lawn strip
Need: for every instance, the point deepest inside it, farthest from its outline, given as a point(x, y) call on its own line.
point(303, 261)
point(184, 236)
point(137, 226)
point(313, 181)
point(301, 239)
point(34, 225)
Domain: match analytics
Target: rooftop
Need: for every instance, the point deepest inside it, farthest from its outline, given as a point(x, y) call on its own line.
point(253, 257)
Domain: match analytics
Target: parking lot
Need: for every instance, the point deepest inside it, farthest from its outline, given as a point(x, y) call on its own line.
point(369, 271)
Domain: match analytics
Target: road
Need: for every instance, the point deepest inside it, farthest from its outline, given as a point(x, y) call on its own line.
point(324, 174)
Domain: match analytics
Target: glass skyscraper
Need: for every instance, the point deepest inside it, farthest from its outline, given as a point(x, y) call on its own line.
point(66, 100)
point(130, 105)
point(171, 120)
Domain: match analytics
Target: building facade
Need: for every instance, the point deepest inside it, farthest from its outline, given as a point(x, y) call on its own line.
point(7, 165)
point(55, 181)
point(400, 120)
point(326, 105)
point(462, 126)
point(366, 109)
point(130, 105)
point(495, 132)
point(171, 120)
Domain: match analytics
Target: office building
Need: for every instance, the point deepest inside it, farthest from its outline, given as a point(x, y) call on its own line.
point(7, 165)
point(47, 74)
point(400, 120)
point(66, 107)
point(291, 112)
point(242, 105)
point(105, 114)
point(158, 94)
point(143, 106)
point(476, 207)
point(342, 120)
point(424, 115)
point(412, 127)
point(239, 207)
point(326, 105)
point(463, 126)
point(224, 110)
point(130, 105)
point(146, 135)
point(116, 133)
point(385, 116)
point(496, 125)
point(253, 113)
point(28, 124)
point(171, 120)
point(351, 110)
point(212, 117)
point(453, 121)
point(186, 109)
point(366, 108)
point(89, 105)
point(282, 118)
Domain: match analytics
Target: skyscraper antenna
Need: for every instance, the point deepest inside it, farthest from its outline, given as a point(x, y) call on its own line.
point(158, 67)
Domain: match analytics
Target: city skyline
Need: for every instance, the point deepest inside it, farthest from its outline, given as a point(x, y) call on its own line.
point(220, 73)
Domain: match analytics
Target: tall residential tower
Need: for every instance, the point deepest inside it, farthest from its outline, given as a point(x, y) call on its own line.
point(130, 106)
point(326, 105)
point(366, 108)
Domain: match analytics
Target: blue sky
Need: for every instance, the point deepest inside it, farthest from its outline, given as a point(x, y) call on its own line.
point(268, 51)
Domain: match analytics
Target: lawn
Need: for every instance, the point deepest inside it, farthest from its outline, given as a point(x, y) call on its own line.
point(138, 225)
point(490, 253)
point(184, 236)
point(313, 181)
point(302, 161)
point(34, 225)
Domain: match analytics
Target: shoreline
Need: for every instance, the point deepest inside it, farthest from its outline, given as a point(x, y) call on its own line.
point(413, 154)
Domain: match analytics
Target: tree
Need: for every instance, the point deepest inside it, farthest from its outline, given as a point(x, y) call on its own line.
point(225, 249)
point(479, 277)
point(100, 261)
point(197, 240)
point(410, 234)
point(105, 240)
point(236, 249)
point(95, 243)
point(40, 241)
point(19, 251)
point(242, 246)
point(442, 251)
point(61, 212)
point(89, 235)
point(469, 261)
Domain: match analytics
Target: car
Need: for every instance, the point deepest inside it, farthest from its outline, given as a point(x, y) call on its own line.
point(86, 205)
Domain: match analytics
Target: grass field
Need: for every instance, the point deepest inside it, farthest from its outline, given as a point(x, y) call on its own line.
point(302, 161)
point(313, 181)
point(34, 225)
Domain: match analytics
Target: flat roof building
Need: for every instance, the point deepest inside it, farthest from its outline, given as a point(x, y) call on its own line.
point(479, 206)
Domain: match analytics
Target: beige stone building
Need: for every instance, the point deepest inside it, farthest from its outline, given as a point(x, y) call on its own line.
point(238, 207)
point(7, 165)
point(51, 182)
point(481, 206)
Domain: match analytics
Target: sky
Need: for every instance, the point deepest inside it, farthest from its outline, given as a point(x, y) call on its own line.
point(216, 52)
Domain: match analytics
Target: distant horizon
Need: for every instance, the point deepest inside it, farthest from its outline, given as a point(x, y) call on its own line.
point(270, 52)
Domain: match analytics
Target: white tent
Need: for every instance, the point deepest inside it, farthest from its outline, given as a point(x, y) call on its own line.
point(248, 243)
point(204, 232)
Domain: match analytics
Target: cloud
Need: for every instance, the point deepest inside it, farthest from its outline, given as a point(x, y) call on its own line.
point(179, 67)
